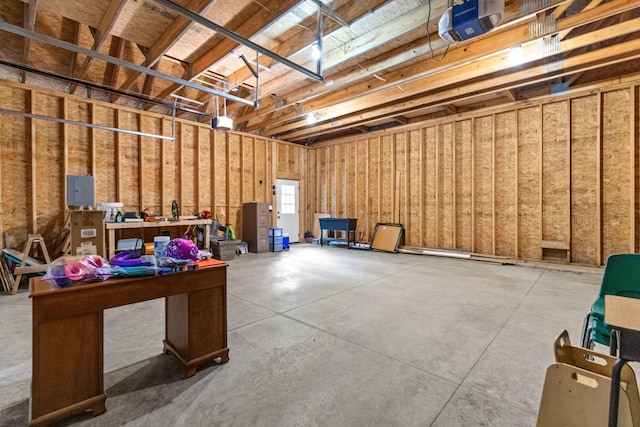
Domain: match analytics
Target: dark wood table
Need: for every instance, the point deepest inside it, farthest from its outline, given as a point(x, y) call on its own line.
point(68, 375)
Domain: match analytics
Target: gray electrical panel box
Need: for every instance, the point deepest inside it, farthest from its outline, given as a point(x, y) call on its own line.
point(79, 190)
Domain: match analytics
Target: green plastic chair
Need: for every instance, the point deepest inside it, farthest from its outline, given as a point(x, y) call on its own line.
point(621, 277)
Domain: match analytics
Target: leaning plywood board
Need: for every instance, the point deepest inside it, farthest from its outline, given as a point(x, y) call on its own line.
point(386, 237)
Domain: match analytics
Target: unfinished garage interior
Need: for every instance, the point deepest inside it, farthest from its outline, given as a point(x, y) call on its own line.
point(509, 154)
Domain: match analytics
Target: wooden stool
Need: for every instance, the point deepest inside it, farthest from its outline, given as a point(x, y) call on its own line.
point(27, 264)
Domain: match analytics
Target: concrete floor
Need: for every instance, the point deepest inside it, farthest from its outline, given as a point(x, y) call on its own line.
point(330, 337)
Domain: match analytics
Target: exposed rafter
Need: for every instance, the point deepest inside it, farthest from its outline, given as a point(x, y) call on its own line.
point(377, 62)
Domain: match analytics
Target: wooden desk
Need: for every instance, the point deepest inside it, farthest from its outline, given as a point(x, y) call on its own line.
point(67, 375)
point(623, 315)
point(111, 228)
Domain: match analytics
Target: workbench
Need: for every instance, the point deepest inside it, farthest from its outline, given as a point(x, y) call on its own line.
point(112, 227)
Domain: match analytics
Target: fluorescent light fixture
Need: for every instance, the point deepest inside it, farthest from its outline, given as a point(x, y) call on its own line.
point(515, 55)
point(222, 123)
point(315, 51)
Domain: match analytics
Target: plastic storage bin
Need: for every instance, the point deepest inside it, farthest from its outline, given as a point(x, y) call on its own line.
point(275, 239)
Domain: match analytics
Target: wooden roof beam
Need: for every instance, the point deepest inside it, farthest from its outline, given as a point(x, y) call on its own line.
point(511, 94)
point(579, 63)
point(351, 11)
point(74, 55)
point(368, 94)
point(170, 37)
point(30, 11)
point(111, 74)
point(271, 11)
point(102, 32)
point(418, 49)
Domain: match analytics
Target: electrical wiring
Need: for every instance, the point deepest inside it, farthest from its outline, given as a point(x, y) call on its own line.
point(433, 58)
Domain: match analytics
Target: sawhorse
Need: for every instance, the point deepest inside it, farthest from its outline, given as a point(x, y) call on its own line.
point(26, 264)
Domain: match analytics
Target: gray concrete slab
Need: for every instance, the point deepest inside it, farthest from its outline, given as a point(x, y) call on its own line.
point(330, 337)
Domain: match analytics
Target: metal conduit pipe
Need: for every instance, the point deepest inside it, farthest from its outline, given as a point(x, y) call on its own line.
point(14, 29)
point(89, 125)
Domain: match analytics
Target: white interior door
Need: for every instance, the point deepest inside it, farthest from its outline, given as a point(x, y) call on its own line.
point(287, 208)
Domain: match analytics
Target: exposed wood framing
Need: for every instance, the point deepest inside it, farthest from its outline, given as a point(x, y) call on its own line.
point(101, 33)
point(30, 9)
point(118, 150)
point(65, 147)
point(599, 182)
point(493, 184)
point(516, 195)
point(141, 162)
point(634, 131)
point(568, 177)
point(473, 185)
point(33, 202)
point(541, 177)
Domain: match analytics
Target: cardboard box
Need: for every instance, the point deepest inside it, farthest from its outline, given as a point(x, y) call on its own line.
point(87, 233)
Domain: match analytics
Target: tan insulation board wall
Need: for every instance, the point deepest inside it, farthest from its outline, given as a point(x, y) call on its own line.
point(483, 185)
point(341, 189)
point(429, 152)
point(105, 175)
point(15, 152)
point(79, 139)
point(413, 170)
point(48, 162)
point(248, 169)
point(221, 179)
point(400, 180)
point(529, 176)
point(151, 170)
point(322, 180)
point(311, 189)
point(497, 183)
point(374, 196)
point(351, 182)
point(361, 165)
point(202, 169)
point(617, 183)
point(387, 178)
point(501, 183)
point(446, 187)
point(635, 131)
point(128, 162)
point(555, 172)
point(463, 168)
point(505, 184)
point(585, 154)
point(234, 168)
point(261, 172)
point(187, 181)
